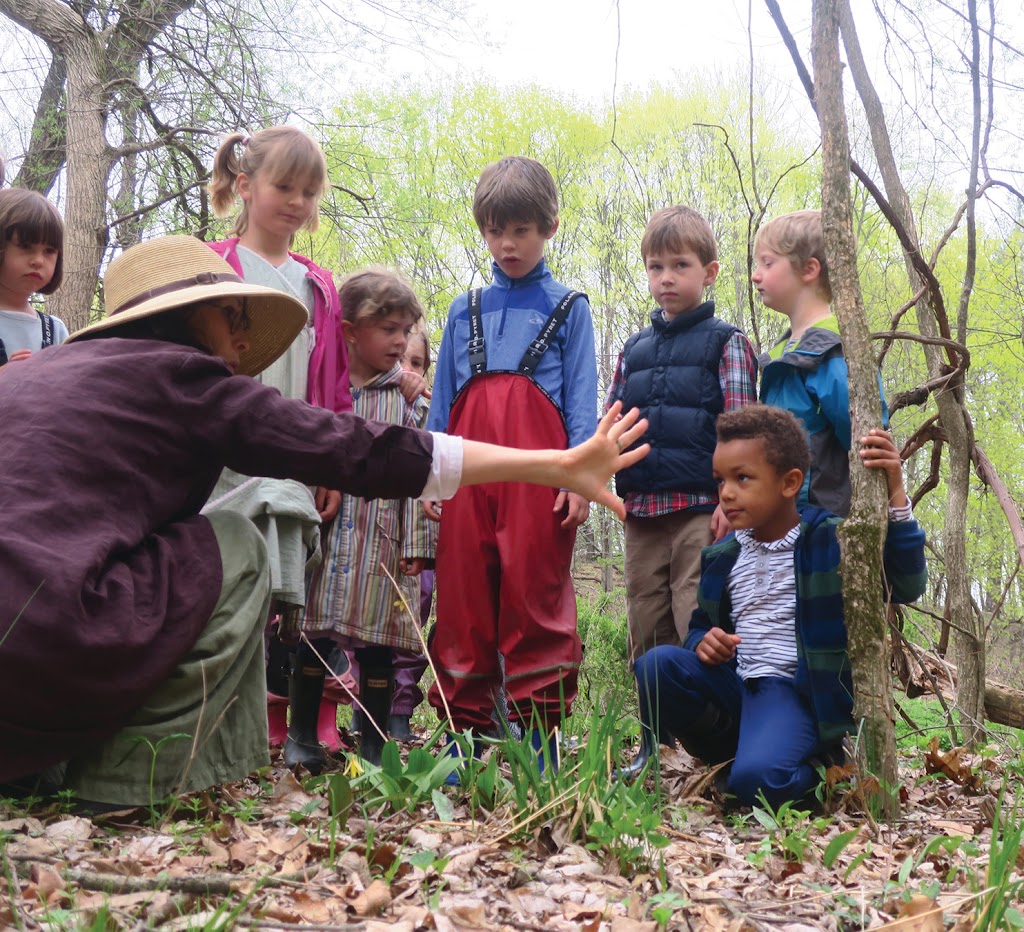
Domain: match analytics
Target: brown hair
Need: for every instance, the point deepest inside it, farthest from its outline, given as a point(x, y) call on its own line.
point(280, 153)
point(679, 229)
point(377, 292)
point(797, 237)
point(29, 218)
point(516, 189)
point(782, 436)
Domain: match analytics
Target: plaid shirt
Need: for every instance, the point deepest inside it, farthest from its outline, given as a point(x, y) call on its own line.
point(737, 375)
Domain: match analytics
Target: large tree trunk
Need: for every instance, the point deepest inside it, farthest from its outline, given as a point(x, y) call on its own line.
point(88, 167)
point(88, 158)
point(968, 641)
point(862, 535)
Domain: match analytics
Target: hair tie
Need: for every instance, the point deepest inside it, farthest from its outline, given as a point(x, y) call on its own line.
point(245, 140)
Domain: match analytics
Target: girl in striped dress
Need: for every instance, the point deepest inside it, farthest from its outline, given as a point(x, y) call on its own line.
point(355, 597)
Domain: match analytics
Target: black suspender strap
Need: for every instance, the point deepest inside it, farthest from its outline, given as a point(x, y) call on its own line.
point(539, 346)
point(477, 350)
point(47, 322)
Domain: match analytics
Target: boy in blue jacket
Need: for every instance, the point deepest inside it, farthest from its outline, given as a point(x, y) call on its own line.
point(764, 676)
point(516, 362)
point(805, 372)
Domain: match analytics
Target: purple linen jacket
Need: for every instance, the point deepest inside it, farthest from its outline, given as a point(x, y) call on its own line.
point(107, 571)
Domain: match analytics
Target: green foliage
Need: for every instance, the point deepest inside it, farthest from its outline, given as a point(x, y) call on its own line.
point(662, 906)
point(789, 832)
point(154, 751)
point(994, 909)
point(397, 786)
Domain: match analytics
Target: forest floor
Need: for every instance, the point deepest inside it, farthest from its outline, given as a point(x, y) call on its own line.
point(267, 853)
point(394, 849)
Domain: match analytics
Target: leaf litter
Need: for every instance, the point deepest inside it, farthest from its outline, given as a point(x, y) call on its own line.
point(264, 854)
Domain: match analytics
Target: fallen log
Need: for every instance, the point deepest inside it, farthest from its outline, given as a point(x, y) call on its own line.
point(922, 671)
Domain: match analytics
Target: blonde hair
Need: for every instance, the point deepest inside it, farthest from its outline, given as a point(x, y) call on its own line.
point(420, 331)
point(280, 153)
point(679, 229)
point(377, 292)
point(797, 236)
point(516, 189)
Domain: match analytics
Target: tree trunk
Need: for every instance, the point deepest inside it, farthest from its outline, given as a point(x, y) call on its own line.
point(88, 167)
point(88, 158)
point(862, 534)
point(967, 644)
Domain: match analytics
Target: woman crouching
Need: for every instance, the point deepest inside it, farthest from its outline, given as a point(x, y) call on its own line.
point(131, 628)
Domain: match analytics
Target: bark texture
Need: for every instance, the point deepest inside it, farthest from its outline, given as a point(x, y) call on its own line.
point(862, 534)
point(71, 122)
point(969, 646)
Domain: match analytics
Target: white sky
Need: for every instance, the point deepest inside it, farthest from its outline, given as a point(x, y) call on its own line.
point(571, 45)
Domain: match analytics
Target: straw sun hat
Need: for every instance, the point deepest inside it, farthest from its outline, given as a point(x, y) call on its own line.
point(170, 272)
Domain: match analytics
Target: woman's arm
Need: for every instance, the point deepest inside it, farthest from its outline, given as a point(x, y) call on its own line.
point(584, 469)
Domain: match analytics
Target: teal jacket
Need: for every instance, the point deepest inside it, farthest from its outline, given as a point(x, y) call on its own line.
point(812, 381)
point(823, 665)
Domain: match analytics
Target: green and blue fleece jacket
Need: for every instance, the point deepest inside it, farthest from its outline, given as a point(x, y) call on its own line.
point(823, 665)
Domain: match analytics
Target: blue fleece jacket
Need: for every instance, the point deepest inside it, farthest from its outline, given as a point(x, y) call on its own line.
point(513, 310)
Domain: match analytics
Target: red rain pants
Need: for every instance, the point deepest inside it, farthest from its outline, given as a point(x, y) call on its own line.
point(503, 579)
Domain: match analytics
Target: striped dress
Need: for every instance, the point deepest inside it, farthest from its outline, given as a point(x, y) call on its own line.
point(350, 594)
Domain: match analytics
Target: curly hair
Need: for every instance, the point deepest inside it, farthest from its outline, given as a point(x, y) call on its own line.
point(783, 436)
point(378, 292)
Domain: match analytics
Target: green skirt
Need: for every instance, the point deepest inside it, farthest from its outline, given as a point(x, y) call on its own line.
point(207, 724)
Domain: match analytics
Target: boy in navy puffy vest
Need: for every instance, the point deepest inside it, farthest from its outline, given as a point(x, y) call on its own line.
point(682, 371)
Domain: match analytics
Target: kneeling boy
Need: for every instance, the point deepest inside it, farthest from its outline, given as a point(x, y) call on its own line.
point(763, 676)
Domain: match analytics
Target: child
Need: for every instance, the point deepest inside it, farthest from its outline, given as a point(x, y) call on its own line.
point(516, 366)
point(764, 676)
point(409, 665)
point(683, 371)
point(805, 372)
point(31, 261)
point(352, 595)
point(279, 175)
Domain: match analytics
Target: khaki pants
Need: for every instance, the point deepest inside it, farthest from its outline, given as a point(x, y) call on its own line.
point(207, 724)
point(662, 572)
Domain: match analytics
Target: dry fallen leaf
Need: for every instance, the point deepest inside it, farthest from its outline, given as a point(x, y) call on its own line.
point(950, 765)
point(373, 900)
point(919, 914)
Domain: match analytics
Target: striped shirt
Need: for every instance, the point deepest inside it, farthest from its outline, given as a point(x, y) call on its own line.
point(762, 587)
point(737, 375)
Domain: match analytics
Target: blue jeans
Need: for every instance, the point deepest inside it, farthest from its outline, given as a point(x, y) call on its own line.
point(763, 723)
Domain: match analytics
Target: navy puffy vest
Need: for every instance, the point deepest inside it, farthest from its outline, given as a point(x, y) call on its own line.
point(673, 378)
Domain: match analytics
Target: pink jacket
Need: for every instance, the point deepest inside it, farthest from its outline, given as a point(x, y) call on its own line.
point(328, 364)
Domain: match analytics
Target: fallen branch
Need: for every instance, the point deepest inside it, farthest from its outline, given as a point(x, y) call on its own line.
point(207, 885)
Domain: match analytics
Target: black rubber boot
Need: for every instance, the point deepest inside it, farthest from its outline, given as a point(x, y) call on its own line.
point(305, 689)
point(376, 688)
point(636, 766)
point(400, 727)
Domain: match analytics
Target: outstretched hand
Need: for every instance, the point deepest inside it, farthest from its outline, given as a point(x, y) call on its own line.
point(590, 465)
